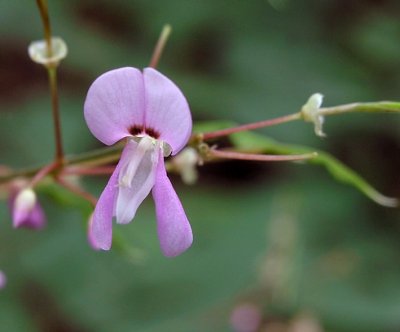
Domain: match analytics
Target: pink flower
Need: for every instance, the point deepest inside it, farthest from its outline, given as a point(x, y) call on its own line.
point(152, 114)
point(3, 280)
point(26, 210)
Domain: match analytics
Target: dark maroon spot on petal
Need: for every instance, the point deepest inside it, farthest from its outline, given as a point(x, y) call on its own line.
point(136, 130)
point(152, 132)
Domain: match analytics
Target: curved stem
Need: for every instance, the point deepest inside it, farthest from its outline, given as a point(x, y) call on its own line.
point(78, 191)
point(259, 157)
point(381, 106)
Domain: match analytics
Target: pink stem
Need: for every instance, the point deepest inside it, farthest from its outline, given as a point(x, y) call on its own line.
point(43, 172)
point(106, 170)
point(78, 191)
point(251, 126)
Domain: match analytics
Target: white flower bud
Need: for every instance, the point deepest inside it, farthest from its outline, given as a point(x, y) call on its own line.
point(25, 200)
point(310, 113)
point(185, 163)
point(38, 51)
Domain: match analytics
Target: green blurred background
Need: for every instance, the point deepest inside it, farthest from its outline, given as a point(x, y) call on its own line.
point(310, 254)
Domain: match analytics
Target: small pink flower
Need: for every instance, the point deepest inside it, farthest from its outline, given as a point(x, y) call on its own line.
point(152, 114)
point(3, 280)
point(26, 210)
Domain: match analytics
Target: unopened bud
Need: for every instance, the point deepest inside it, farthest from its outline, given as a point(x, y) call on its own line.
point(310, 113)
point(185, 163)
point(26, 211)
point(25, 200)
point(39, 53)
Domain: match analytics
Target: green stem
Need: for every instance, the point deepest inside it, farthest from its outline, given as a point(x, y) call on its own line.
point(162, 41)
point(52, 75)
point(52, 72)
point(381, 106)
point(44, 14)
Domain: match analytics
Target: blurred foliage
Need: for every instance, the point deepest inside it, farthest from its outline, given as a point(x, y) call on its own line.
point(283, 236)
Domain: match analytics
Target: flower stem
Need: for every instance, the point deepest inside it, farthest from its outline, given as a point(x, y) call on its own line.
point(259, 157)
point(43, 172)
point(78, 191)
point(162, 40)
point(52, 72)
point(44, 14)
point(52, 75)
point(381, 106)
point(98, 157)
point(74, 170)
point(251, 126)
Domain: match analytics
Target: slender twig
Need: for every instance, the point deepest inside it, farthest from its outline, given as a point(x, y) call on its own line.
point(251, 126)
point(78, 191)
point(259, 157)
point(52, 72)
point(93, 158)
point(162, 40)
point(381, 106)
point(52, 75)
point(42, 173)
point(105, 170)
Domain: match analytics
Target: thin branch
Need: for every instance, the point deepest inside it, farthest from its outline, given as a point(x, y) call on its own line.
point(78, 191)
point(259, 157)
point(75, 170)
point(162, 41)
point(251, 126)
point(44, 14)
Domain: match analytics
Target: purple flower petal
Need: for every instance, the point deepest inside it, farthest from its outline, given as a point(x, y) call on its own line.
point(101, 226)
point(136, 177)
point(115, 104)
point(167, 111)
point(90, 237)
point(174, 231)
point(3, 279)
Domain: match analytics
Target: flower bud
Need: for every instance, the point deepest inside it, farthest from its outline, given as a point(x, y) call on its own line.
point(185, 163)
point(26, 210)
point(310, 113)
point(39, 53)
